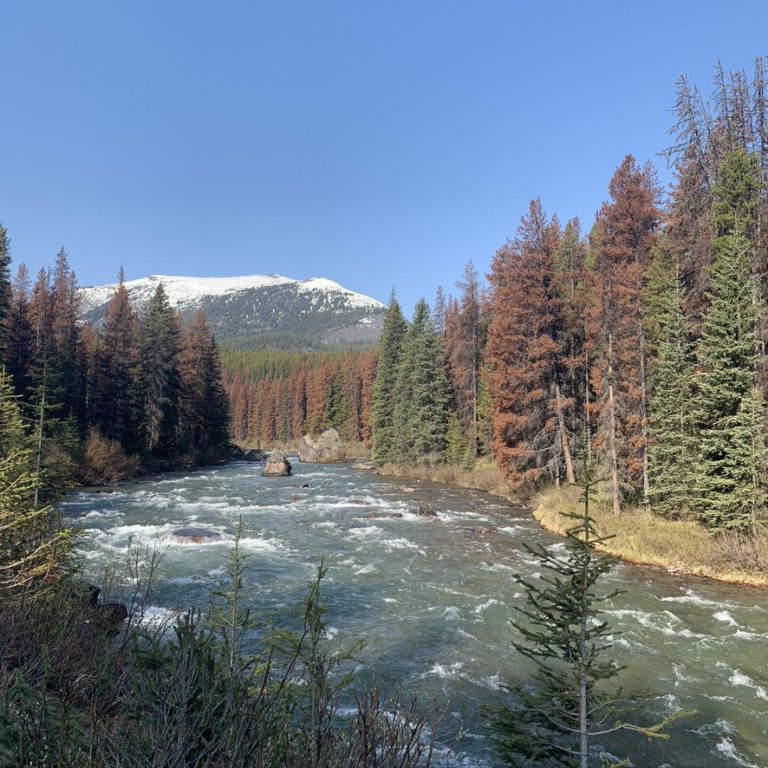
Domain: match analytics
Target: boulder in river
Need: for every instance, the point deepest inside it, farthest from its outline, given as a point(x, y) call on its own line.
point(277, 465)
point(321, 449)
point(194, 535)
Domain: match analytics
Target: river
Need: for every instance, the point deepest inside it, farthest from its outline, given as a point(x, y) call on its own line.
point(432, 597)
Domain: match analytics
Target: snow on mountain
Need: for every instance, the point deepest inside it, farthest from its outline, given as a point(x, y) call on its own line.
point(186, 292)
point(258, 310)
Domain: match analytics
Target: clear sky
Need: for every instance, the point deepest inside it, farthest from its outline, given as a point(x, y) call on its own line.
point(377, 143)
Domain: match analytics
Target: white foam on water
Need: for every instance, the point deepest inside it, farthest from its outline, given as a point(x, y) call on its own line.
point(691, 597)
point(362, 570)
point(157, 616)
point(390, 600)
point(443, 672)
point(331, 632)
point(743, 635)
point(662, 621)
point(363, 532)
point(258, 544)
point(325, 524)
point(738, 678)
point(487, 604)
point(402, 543)
point(513, 529)
point(727, 748)
point(452, 613)
point(726, 618)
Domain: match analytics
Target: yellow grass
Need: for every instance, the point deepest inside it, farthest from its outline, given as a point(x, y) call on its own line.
point(484, 477)
point(679, 546)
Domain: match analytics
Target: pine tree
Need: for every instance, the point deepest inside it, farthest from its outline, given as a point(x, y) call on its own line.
point(18, 353)
point(159, 378)
point(420, 415)
point(621, 241)
point(383, 432)
point(567, 640)
point(525, 355)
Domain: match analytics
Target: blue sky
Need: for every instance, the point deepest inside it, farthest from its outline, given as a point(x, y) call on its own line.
point(378, 144)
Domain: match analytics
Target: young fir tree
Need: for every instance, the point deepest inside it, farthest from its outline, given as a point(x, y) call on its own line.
point(729, 407)
point(383, 393)
point(554, 723)
point(420, 416)
point(32, 543)
point(18, 353)
point(672, 447)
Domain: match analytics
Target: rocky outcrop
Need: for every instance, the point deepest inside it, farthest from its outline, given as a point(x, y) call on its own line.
point(321, 449)
point(277, 465)
point(194, 536)
point(236, 453)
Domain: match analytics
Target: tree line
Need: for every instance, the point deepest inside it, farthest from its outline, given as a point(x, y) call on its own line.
point(641, 342)
point(98, 402)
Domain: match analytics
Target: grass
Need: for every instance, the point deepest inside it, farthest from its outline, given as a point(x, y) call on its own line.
point(678, 546)
point(484, 477)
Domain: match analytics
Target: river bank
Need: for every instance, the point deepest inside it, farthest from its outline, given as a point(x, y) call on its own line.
point(639, 537)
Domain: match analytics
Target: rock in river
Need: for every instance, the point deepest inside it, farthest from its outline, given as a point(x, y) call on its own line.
point(194, 535)
point(321, 449)
point(276, 465)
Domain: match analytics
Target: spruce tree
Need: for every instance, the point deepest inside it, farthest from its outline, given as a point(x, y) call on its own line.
point(730, 408)
point(383, 392)
point(726, 497)
point(672, 448)
point(420, 417)
point(5, 287)
point(159, 378)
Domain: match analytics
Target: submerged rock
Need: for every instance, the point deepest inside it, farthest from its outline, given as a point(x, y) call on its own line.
point(194, 536)
point(321, 449)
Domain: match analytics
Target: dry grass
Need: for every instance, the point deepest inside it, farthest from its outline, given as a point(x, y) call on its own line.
point(679, 546)
point(484, 477)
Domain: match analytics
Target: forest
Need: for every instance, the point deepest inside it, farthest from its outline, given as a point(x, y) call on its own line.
point(628, 356)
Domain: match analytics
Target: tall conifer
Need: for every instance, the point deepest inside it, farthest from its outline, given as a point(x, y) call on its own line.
point(383, 433)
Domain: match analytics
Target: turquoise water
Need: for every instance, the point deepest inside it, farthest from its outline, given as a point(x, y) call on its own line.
point(432, 598)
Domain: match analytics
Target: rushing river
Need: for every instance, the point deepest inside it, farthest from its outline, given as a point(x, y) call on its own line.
point(432, 597)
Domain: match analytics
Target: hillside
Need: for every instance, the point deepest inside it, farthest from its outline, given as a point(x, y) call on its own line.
point(258, 311)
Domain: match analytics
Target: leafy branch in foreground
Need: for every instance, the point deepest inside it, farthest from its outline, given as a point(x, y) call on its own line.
point(552, 722)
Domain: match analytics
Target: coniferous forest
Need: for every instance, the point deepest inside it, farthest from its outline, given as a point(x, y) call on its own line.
point(628, 355)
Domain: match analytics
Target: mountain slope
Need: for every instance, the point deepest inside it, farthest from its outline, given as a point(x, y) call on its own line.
point(258, 311)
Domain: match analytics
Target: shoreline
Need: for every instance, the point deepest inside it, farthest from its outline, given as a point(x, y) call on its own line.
point(678, 547)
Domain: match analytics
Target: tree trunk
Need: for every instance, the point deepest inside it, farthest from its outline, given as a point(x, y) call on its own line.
point(612, 448)
point(570, 476)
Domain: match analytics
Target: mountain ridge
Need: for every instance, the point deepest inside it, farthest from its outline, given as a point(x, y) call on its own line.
point(257, 311)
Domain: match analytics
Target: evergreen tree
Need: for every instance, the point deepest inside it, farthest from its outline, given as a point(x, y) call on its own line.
point(159, 378)
point(564, 636)
point(726, 496)
point(203, 402)
point(32, 541)
point(18, 351)
point(383, 433)
point(420, 416)
point(672, 447)
point(5, 288)
point(116, 376)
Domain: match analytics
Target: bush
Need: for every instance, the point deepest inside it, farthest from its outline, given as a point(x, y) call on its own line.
point(104, 462)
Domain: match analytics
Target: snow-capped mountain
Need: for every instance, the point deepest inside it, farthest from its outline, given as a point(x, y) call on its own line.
point(258, 310)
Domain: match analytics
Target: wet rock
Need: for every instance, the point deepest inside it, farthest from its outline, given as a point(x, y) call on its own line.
point(321, 449)
point(480, 530)
point(194, 536)
point(426, 511)
point(108, 616)
point(277, 465)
